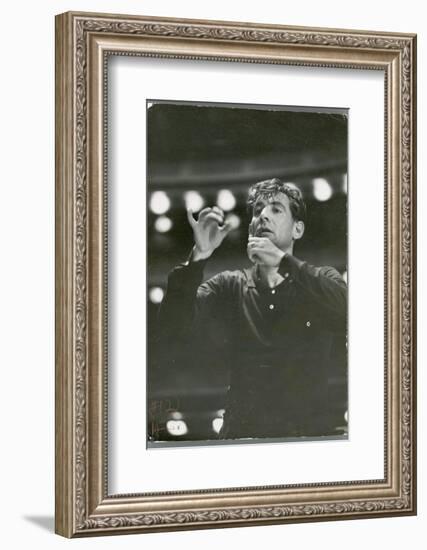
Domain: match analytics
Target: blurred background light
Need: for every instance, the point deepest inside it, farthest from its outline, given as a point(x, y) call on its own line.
point(322, 190)
point(156, 294)
point(218, 421)
point(159, 202)
point(193, 201)
point(176, 428)
point(163, 224)
point(217, 424)
point(233, 220)
point(226, 200)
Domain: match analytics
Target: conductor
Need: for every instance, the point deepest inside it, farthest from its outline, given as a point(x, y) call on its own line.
point(280, 324)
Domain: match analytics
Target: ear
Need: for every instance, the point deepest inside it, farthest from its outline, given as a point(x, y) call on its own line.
point(298, 230)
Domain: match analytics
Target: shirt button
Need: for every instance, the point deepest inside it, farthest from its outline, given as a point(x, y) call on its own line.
point(286, 275)
point(273, 291)
point(271, 306)
point(308, 324)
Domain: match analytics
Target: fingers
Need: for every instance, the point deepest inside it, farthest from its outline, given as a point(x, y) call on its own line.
point(209, 215)
point(212, 217)
point(204, 212)
point(250, 249)
point(214, 213)
point(259, 241)
point(252, 256)
point(218, 210)
point(208, 210)
point(252, 245)
point(226, 228)
point(262, 245)
point(256, 250)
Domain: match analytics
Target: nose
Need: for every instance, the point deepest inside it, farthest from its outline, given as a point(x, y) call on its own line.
point(265, 213)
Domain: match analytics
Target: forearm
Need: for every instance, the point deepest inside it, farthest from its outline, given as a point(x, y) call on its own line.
point(177, 310)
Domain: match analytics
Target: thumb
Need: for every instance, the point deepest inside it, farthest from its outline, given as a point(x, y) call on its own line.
point(190, 218)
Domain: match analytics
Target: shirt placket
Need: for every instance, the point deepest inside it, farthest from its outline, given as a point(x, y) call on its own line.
point(276, 293)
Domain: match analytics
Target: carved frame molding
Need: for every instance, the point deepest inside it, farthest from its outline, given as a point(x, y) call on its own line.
point(83, 43)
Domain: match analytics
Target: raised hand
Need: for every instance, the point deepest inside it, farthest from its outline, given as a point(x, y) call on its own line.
point(209, 231)
point(262, 251)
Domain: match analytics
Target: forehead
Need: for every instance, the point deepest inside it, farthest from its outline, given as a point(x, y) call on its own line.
point(280, 198)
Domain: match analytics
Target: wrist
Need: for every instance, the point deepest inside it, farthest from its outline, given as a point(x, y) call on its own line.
point(198, 254)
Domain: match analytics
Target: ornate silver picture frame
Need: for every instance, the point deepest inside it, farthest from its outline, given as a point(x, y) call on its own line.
point(85, 505)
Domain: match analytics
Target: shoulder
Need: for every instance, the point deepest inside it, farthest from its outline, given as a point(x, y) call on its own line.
point(227, 279)
point(329, 271)
point(236, 275)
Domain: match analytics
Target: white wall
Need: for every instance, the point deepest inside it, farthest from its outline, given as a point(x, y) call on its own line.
point(27, 273)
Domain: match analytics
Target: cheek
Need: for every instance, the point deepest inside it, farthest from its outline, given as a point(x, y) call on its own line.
point(285, 227)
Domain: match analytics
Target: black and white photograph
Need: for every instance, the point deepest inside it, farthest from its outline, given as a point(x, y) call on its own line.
point(247, 273)
point(214, 266)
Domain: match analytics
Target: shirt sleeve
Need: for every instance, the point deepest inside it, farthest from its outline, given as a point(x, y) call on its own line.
point(188, 300)
point(324, 284)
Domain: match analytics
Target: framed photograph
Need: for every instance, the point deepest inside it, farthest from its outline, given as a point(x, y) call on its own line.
point(267, 373)
point(235, 274)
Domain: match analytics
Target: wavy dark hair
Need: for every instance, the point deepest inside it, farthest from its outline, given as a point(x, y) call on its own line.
point(267, 189)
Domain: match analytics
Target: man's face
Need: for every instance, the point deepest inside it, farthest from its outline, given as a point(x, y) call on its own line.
point(272, 218)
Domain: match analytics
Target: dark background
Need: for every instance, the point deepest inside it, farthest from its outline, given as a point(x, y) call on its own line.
point(211, 147)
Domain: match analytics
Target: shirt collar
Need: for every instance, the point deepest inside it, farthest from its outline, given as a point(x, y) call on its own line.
point(249, 273)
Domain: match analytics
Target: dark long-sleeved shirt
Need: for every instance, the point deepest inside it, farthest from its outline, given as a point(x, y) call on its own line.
point(282, 344)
